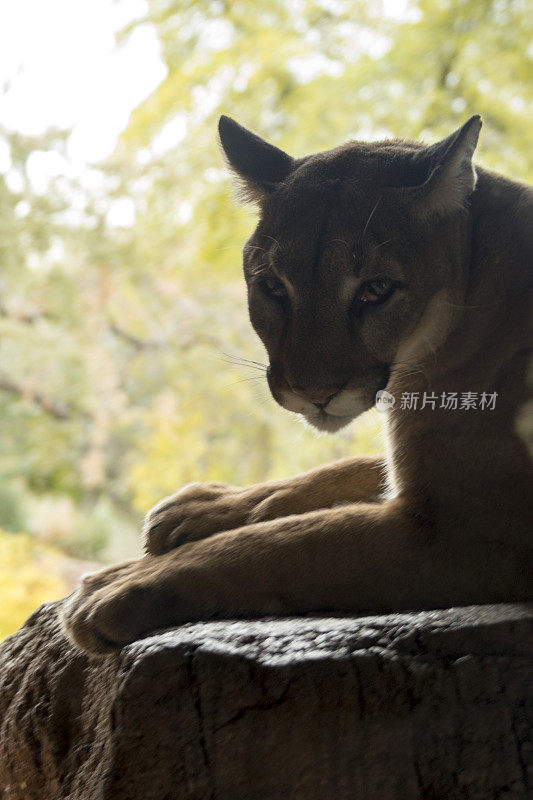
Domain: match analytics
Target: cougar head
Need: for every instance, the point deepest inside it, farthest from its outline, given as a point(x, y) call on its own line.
point(356, 263)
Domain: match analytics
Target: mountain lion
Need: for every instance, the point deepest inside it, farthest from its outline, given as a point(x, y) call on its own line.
point(374, 266)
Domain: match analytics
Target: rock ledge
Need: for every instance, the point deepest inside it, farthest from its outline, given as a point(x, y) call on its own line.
point(434, 705)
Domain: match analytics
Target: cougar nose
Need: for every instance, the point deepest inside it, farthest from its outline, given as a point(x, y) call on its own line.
point(319, 398)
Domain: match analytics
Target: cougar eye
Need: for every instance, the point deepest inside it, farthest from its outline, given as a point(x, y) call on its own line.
point(273, 286)
point(376, 290)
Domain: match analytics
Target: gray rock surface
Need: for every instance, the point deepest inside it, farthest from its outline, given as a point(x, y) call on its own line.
point(433, 705)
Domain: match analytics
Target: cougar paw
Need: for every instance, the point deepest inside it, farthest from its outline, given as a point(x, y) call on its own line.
point(114, 607)
point(195, 512)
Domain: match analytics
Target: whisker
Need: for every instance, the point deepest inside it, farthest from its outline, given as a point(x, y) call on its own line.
point(229, 247)
point(256, 247)
point(253, 379)
point(370, 217)
point(257, 271)
point(274, 240)
point(412, 373)
point(260, 401)
point(245, 362)
point(381, 245)
point(410, 363)
point(256, 372)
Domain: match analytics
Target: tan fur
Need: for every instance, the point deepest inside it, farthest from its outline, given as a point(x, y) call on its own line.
point(430, 332)
point(447, 518)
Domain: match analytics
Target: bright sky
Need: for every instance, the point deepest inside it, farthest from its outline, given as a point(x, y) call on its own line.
point(61, 66)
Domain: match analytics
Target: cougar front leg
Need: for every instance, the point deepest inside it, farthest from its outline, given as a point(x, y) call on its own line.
point(349, 480)
point(363, 556)
point(203, 509)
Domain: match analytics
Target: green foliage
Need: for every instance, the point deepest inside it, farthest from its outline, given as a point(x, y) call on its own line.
point(95, 527)
point(114, 385)
point(12, 516)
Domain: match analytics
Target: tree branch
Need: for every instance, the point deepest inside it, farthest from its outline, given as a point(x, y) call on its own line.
point(55, 408)
point(28, 317)
point(134, 341)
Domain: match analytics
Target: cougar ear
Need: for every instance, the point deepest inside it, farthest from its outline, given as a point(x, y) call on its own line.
point(451, 176)
point(258, 165)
